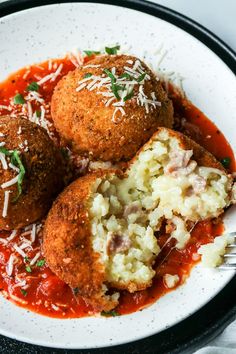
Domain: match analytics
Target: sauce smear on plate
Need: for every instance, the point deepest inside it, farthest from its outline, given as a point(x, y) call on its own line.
point(25, 278)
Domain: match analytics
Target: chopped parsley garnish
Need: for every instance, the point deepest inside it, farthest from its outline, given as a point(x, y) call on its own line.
point(111, 76)
point(5, 151)
point(28, 269)
point(112, 313)
point(33, 86)
point(40, 263)
point(87, 75)
point(129, 96)
point(115, 88)
point(38, 113)
point(23, 292)
point(126, 76)
point(15, 160)
point(26, 259)
point(226, 162)
point(141, 77)
point(19, 99)
point(89, 53)
point(112, 50)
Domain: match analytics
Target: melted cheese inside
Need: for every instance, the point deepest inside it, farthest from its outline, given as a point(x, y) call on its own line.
point(162, 183)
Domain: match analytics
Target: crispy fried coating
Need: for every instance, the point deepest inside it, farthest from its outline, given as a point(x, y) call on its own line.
point(91, 260)
point(43, 178)
point(67, 243)
point(85, 121)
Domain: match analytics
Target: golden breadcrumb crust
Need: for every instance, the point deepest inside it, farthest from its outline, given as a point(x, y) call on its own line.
point(67, 242)
point(84, 121)
point(43, 179)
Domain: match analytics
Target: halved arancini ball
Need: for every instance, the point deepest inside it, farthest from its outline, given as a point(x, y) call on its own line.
point(110, 107)
point(102, 232)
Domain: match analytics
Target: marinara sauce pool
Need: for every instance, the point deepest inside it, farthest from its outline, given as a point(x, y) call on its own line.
point(25, 277)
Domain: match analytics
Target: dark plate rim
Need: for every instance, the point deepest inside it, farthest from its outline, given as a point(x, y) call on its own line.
point(211, 319)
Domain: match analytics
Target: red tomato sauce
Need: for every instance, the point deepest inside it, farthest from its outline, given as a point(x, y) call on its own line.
point(31, 284)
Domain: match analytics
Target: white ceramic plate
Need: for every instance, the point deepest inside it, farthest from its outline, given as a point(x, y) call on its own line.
point(36, 34)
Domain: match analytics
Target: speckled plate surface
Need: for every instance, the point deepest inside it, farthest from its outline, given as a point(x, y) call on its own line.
point(38, 33)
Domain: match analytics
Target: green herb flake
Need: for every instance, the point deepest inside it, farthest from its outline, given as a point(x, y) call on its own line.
point(112, 50)
point(26, 259)
point(89, 53)
point(40, 263)
point(111, 76)
point(28, 269)
point(19, 99)
point(141, 77)
point(4, 151)
point(115, 89)
point(112, 313)
point(129, 96)
point(23, 292)
point(33, 86)
point(38, 113)
point(15, 160)
point(87, 75)
point(226, 162)
point(126, 76)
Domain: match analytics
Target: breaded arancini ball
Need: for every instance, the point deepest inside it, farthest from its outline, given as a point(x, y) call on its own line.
point(110, 107)
point(102, 231)
point(31, 172)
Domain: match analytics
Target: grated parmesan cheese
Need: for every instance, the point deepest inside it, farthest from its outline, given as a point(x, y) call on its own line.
point(95, 82)
point(13, 167)
point(57, 72)
point(8, 108)
point(10, 183)
point(3, 161)
point(33, 233)
point(20, 251)
point(3, 241)
point(17, 299)
point(10, 264)
point(5, 204)
point(12, 236)
point(36, 257)
point(30, 110)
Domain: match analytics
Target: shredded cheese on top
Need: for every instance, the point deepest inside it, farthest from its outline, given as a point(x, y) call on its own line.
point(135, 75)
point(5, 204)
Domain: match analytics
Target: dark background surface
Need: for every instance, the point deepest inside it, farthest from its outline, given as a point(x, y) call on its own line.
point(209, 321)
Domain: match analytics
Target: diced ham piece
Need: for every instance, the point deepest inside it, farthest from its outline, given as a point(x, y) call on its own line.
point(170, 227)
point(117, 243)
point(133, 208)
point(233, 194)
point(180, 163)
point(199, 184)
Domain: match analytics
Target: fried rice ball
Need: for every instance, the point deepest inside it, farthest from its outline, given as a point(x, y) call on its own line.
point(31, 172)
point(88, 119)
point(101, 232)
